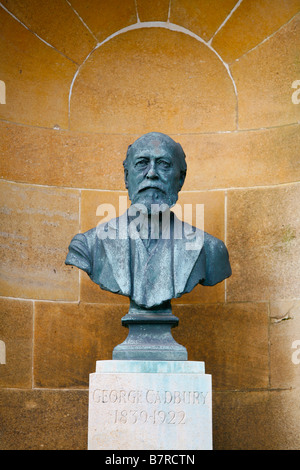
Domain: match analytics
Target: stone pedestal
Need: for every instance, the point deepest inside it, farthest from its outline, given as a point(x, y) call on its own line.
point(150, 405)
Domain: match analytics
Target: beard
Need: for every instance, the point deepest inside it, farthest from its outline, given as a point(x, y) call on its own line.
point(154, 200)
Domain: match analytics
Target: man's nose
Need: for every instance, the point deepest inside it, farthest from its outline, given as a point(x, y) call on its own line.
point(151, 171)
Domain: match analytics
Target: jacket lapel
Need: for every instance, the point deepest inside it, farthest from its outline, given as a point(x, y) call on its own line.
point(186, 252)
point(117, 249)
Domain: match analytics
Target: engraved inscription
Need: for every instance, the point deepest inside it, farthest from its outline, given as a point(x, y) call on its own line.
point(152, 397)
point(155, 417)
point(155, 407)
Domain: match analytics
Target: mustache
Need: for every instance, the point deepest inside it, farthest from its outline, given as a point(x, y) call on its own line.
point(145, 186)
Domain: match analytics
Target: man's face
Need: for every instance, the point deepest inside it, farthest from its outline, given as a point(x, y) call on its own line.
point(153, 174)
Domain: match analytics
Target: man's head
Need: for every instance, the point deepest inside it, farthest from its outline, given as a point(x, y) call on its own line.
point(155, 170)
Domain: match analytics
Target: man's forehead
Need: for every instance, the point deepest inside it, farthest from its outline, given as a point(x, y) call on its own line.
point(156, 144)
point(153, 147)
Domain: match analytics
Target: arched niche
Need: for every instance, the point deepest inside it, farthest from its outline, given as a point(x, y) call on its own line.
point(151, 79)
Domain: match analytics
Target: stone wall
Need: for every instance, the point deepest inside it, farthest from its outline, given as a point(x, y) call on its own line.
point(82, 80)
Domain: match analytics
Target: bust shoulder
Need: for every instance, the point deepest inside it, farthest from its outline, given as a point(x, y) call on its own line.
point(80, 250)
point(217, 260)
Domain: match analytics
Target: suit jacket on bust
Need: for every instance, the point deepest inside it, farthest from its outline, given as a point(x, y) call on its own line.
point(120, 264)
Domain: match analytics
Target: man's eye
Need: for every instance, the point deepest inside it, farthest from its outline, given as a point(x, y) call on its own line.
point(141, 163)
point(164, 164)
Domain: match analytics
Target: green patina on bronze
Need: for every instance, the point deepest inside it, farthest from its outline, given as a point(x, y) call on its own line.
point(146, 255)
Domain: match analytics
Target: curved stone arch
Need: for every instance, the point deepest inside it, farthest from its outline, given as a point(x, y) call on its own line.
point(156, 24)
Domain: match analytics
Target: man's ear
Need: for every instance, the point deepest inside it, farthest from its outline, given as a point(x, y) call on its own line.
point(182, 178)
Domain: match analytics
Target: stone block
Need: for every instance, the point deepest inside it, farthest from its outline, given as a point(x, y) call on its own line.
point(69, 338)
point(36, 226)
point(59, 158)
point(156, 10)
point(43, 419)
point(16, 332)
point(242, 159)
point(262, 239)
point(114, 16)
point(161, 405)
point(285, 344)
point(36, 76)
point(250, 24)
point(256, 420)
point(232, 340)
point(57, 24)
point(264, 79)
point(202, 18)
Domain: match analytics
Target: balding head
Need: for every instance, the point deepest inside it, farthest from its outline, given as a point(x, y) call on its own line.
point(157, 140)
point(155, 170)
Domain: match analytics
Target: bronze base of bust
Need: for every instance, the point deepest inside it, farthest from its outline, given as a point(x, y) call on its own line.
point(150, 337)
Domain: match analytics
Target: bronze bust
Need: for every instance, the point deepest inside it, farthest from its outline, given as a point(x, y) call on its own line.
point(147, 258)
